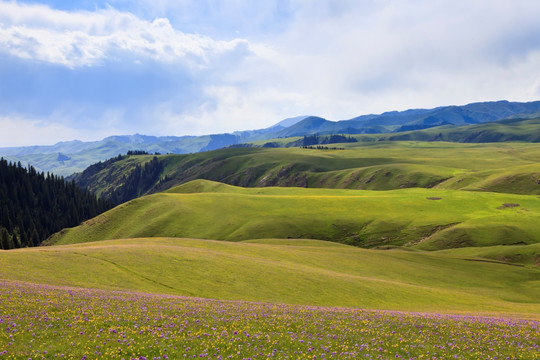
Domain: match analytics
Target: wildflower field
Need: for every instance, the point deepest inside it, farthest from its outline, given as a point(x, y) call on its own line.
point(47, 322)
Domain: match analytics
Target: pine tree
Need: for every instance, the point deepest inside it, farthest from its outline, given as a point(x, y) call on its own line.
point(6, 241)
point(33, 205)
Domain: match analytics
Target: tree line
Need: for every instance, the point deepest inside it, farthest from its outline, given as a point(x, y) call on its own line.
point(310, 140)
point(320, 147)
point(35, 205)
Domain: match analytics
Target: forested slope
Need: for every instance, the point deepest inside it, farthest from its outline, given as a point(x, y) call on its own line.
point(35, 205)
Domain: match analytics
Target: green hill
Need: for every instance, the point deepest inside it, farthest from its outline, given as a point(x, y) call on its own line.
point(285, 271)
point(514, 129)
point(500, 167)
point(429, 219)
point(527, 130)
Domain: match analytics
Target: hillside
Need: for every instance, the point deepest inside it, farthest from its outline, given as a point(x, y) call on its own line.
point(526, 130)
point(34, 206)
point(284, 271)
point(502, 167)
point(66, 158)
point(507, 130)
point(428, 219)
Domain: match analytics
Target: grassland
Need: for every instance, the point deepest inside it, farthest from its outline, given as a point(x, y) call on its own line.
point(426, 245)
point(428, 219)
point(285, 271)
point(43, 322)
point(513, 129)
point(494, 234)
point(500, 167)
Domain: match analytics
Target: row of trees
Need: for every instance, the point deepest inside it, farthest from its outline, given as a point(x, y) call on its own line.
point(35, 205)
point(140, 152)
point(309, 140)
point(320, 147)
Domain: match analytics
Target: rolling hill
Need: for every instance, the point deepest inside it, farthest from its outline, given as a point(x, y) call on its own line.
point(285, 271)
point(427, 219)
point(446, 226)
point(526, 130)
point(427, 245)
point(501, 167)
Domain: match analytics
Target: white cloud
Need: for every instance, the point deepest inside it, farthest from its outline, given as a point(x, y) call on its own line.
point(332, 58)
point(18, 131)
point(85, 38)
point(387, 55)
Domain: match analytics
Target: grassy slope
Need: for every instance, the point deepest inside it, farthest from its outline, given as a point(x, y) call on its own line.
point(528, 255)
point(203, 209)
point(511, 129)
point(499, 131)
point(313, 272)
point(289, 271)
point(501, 167)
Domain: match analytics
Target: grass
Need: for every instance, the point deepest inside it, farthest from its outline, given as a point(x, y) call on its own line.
point(430, 219)
point(284, 271)
point(43, 322)
point(499, 167)
point(516, 129)
point(528, 255)
point(447, 251)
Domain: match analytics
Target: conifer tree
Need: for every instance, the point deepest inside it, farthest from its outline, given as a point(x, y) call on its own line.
point(33, 205)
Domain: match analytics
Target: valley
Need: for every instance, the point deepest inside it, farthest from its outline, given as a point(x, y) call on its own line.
point(438, 232)
point(377, 225)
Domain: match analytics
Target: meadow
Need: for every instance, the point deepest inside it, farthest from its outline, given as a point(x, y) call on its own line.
point(441, 264)
point(501, 167)
point(292, 271)
point(44, 322)
point(427, 219)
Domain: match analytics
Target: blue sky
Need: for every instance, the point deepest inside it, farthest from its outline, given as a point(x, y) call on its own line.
point(89, 69)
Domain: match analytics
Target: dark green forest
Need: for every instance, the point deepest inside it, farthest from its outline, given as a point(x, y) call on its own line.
point(309, 140)
point(35, 205)
point(133, 183)
point(138, 181)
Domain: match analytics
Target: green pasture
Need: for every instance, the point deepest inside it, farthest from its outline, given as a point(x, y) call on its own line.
point(429, 219)
point(385, 165)
point(513, 129)
point(528, 255)
point(456, 229)
point(285, 271)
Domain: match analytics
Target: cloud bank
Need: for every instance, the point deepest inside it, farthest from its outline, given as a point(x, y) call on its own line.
point(76, 39)
point(195, 67)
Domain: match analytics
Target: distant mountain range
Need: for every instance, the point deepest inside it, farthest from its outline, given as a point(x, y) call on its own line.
point(66, 158)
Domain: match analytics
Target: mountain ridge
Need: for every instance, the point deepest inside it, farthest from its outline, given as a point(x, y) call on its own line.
point(65, 158)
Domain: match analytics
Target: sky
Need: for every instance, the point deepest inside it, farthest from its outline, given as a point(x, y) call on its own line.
point(87, 69)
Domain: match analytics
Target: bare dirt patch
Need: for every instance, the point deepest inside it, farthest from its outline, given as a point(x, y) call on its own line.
point(508, 205)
